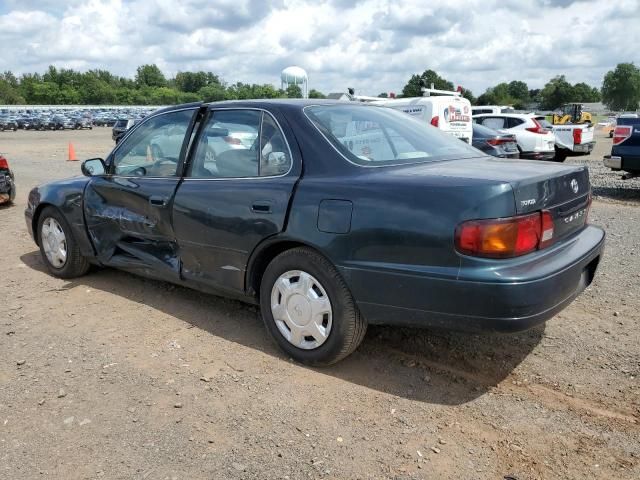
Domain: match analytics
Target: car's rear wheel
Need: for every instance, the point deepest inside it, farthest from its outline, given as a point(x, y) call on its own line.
point(308, 309)
point(58, 247)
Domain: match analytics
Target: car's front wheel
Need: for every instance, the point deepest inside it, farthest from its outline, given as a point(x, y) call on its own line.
point(308, 309)
point(58, 247)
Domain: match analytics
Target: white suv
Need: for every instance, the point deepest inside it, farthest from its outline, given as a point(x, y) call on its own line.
point(534, 141)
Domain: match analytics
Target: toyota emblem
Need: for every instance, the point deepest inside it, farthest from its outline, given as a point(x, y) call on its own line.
point(574, 185)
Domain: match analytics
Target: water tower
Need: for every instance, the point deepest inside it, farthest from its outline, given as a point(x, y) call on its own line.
point(295, 76)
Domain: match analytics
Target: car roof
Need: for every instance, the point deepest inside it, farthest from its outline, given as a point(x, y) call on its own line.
point(510, 115)
point(285, 103)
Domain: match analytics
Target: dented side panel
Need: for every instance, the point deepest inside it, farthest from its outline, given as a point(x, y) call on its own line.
point(124, 224)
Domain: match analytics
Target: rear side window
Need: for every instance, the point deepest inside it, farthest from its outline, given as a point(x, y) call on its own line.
point(240, 144)
point(514, 122)
point(494, 123)
point(376, 136)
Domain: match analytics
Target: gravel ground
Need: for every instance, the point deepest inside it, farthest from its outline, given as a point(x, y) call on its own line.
point(114, 376)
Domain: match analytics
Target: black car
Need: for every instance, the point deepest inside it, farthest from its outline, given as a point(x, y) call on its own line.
point(330, 216)
point(37, 123)
point(82, 122)
point(494, 143)
point(23, 122)
point(7, 123)
point(7, 182)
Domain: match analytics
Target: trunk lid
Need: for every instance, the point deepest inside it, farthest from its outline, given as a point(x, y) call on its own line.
point(563, 190)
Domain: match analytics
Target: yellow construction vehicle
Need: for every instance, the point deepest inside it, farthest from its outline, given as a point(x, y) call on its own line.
point(571, 113)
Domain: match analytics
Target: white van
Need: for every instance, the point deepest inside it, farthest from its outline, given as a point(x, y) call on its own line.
point(450, 113)
point(494, 109)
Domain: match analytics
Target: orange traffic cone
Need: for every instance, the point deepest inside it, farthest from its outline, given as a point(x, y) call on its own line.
point(72, 154)
point(149, 155)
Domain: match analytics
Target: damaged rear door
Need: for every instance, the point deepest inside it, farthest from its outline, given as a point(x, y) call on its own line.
point(128, 211)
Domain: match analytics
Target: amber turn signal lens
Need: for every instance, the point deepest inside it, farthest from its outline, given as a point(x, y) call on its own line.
point(505, 237)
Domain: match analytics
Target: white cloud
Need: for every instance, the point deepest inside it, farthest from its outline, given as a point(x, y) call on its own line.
point(372, 45)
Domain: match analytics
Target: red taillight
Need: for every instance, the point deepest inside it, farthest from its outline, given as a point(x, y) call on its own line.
point(4, 164)
point(505, 237)
point(538, 128)
point(577, 136)
point(232, 140)
point(620, 134)
point(499, 141)
point(435, 120)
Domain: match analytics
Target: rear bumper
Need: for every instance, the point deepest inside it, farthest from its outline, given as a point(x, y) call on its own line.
point(583, 148)
point(629, 163)
point(615, 163)
point(538, 155)
point(514, 296)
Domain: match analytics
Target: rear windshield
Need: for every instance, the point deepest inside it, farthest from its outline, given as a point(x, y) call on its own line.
point(482, 131)
point(376, 136)
point(544, 123)
point(121, 123)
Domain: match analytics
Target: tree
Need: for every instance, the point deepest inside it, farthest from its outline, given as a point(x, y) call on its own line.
point(383, 95)
point(294, 91)
point(556, 92)
point(468, 94)
point(150, 76)
point(621, 87)
point(498, 95)
point(9, 95)
point(313, 93)
point(212, 93)
point(428, 77)
point(194, 81)
point(519, 90)
point(585, 93)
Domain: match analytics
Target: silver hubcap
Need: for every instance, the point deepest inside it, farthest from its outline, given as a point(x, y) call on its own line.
point(54, 242)
point(301, 309)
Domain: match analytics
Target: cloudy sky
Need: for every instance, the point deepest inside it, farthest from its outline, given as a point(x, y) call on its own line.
point(372, 45)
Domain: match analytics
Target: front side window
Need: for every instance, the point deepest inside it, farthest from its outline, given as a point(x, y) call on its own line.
point(374, 136)
point(240, 144)
point(153, 149)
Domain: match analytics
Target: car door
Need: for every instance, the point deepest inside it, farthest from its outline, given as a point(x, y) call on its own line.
point(236, 193)
point(128, 210)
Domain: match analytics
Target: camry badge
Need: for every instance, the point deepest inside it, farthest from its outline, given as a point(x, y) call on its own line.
point(574, 185)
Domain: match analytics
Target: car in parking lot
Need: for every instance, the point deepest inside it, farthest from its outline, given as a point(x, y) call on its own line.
point(7, 182)
point(534, 141)
point(449, 113)
point(494, 143)
point(120, 127)
point(82, 122)
point(326, 237)
point(625, 151)
point(8, 123)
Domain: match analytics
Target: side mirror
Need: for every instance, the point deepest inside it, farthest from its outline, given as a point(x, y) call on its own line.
point(93, 167)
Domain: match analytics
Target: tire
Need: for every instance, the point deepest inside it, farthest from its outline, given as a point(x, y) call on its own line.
point(75, 265)
point(347, 326)
point(561, 155)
